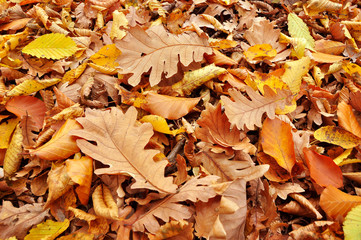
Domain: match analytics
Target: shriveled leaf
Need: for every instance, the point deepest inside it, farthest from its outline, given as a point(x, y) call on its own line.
point(47, 230)
point(59, 182)
point(314, 7)
point(248, 113)
point(352, 224)
point(336, 203)
point(73, 74)
point(306, 204)
point(215, 128)
point(62, 145)
point(169, 107)
point(337, 136)
point(80, 214)
point(347, 119)
point(158, 51)
point(80, 171)
point(13, 156)
point(30, 86)
point(17, 221)
point(298, 29)
point(173, 230)
point(196, 189)
point(160, 125)
point(196, 78)
point(277, 141)
point(323, 169)
point(51, 46)
point(294, 71)
point(27, 106)
point(6, 129)
point(104, 204)
point(220, 59)
point(124, 153)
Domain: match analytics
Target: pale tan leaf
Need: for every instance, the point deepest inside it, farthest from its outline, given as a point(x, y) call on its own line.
point(248, 113)
point(104, 204)
point(305, 203)
point(158, 51)
point(120, 145)
point(283, 190)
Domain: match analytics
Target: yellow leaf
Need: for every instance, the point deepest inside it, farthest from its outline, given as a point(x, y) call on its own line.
point(104, 204)
point(48, 230)
point(13, 157)
point(222, 43)
point(106, 56)
point(352, 224)
point(6, 129)
point(194, 79)
point(77, 236)
point(337, 136)
point(271, 80)
point(314, 7)
point(294, 71)
point(352, 68)
point(260, 52)
point(298, 29)
point(73, 74)
point(11, 41)
point(51, 46)
point(30, 86)
point(340, 158)
point(160, 124)
point(119, 20)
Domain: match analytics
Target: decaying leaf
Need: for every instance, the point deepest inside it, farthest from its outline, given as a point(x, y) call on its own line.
point(123, 158)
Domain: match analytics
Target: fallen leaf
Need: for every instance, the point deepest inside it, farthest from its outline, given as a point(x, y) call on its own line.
point(352, 224)
point(104, 204)
point(160, 125)
point(294, 71)
point(347, 119)
point(337, 136)
point(260, 52)
point(13, 157)
point(298, 29)
point(6, 129)
point(49, 230)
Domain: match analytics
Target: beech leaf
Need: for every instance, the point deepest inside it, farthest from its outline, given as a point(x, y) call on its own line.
point(124, 153)
point(158, 51)
point(347, 119)
point(337, 136)
point(352, 224)
point(49, 230)
point(12, 159)
point(299, 29)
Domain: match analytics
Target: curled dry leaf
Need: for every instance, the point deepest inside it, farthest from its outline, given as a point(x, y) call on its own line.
point(104, 204)
point(61, 145)
point(169, 107)
point(125, 153)
point(157, 51)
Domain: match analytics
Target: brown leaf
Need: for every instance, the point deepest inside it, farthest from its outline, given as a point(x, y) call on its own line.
point(28, 127)
point(247, 113)
point(157, 51)
point(124, 153)
point(17, 221)
point(169, 107)
point(215, 128)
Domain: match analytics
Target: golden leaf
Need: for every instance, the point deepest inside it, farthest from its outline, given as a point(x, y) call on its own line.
point(106, 58)
point(73, 111)
point(294, 71)
point(347, 119)
point(119, 20)
point(13, 157)
point(337, 136)
point(73, 74)
point(51, 46)
point(48, 230)
point(298, 29)
point(160, 124)
point(104, 204)
point(30, 86)
point(260, 52)
point(6, 129)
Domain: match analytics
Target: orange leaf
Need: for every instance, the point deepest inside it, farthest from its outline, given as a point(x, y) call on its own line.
point(336, 203)
point(275, 173)
point(329, 47)
point(62, 145)
point(27, 105)
point(169, 107)
point(277, 141)
point(347, 119)
point(81, 171)
point(326, 58)
point(323, 169)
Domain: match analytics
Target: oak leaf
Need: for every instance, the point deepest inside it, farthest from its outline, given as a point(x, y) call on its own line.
point(157, 51)
point(194, 190)
point(120, 145)
point(17, 221)
point(277, 141)
point(248, 113)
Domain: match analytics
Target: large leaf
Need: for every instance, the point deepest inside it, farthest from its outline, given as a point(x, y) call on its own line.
point(337, 136)
point(28, 106)
point(277, 141)
point(248, 113)
point(61, 146)
point(157, 51)
point(299, 29)
point(120, 145)
point(336, 203)
point(52, 46)
point(323, 169)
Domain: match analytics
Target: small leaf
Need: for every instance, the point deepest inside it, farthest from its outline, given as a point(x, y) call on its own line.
point(6, 129)
point(277, 141)
point(337, 136)
point(48, 230)
point(51, 46)
point(352, 224)
point(104, 204)
point(160, 124)
point(260, 52)
point(323, 169)
point(13, 157)
point(294, 71)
